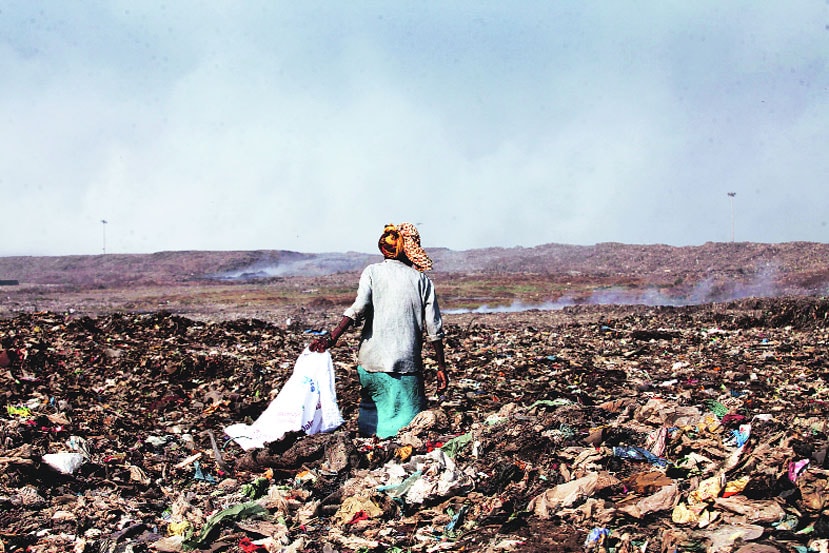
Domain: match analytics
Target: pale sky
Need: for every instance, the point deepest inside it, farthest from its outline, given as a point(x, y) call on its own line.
point(309, 125)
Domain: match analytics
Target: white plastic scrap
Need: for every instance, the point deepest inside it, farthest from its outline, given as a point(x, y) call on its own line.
point(65, 463)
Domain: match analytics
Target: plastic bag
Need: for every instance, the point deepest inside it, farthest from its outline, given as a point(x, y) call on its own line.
point(65, 463)
point(307, 402)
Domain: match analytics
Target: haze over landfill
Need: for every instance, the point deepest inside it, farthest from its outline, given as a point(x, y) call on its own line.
point(306, 127)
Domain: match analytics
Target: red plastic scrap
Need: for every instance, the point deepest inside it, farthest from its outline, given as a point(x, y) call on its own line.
point(733, 418)
point(796, 468)
point(249, 547)
point(358, 516)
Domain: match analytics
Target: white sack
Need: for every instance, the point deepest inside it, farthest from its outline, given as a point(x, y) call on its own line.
point(307, 402)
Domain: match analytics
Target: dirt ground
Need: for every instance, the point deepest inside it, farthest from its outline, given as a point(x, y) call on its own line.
point(588, 428)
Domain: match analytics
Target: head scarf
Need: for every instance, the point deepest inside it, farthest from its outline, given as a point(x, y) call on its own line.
point(404, 239)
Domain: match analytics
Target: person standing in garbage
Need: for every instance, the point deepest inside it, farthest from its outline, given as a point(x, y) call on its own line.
point(397, 301)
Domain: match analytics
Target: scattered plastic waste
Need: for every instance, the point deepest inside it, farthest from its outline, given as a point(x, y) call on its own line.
point(255, 489)
point(525, 440)
point(560, 402)
point(742, 435)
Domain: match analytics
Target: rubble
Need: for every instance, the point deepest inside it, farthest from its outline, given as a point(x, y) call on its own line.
point(592, 428)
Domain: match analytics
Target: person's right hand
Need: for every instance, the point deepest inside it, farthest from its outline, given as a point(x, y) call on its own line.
point(5, 360)
point(443, 380)
point(321, 344)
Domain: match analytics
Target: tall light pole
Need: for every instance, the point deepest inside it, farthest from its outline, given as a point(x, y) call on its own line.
point(731, 200)
point(104, 227)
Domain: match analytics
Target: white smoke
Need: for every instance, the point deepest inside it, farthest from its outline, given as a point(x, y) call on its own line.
point(763, 285)
point(514, 307)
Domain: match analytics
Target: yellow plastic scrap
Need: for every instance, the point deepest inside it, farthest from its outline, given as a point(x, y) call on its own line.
point(683, 515)
point(708, 489)
point(693, 515)
point(733, 487)
point(709, 423)
point(178, 528)
point(214, 406)
point(403, 453)
point(352, 507)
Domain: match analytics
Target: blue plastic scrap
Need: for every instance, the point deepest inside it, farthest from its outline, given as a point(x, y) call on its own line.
point(741, 436)
point(633, 453)
point(457, 519)
point(199, 475)
point(596, 536)
point(397, 491)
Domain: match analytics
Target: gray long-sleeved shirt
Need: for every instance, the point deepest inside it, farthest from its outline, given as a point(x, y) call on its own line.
point(397, 302)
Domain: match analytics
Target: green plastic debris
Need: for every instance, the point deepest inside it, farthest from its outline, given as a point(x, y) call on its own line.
point(237, 512)
point(255, 489)
point(455, 445)
point(560, 402)
point(494, 419)
point(810, 529)
point(717, 408)
point(18, 411)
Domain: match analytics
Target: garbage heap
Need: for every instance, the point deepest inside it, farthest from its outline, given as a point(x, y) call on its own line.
point(619, 429)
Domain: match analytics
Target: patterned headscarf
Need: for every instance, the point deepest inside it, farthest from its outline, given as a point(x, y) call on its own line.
point(404, 239)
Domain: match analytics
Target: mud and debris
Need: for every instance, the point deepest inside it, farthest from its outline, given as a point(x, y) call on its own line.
point(591, 428)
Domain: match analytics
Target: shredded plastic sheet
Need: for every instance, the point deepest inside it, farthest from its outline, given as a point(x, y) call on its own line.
point(307, 402)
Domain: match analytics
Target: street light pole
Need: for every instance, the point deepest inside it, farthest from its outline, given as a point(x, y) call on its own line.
point(731, 200)
point(104, 227)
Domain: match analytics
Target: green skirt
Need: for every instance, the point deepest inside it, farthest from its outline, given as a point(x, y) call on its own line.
point(388, 401)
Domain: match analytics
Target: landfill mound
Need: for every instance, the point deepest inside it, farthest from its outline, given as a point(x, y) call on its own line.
point(593, 428)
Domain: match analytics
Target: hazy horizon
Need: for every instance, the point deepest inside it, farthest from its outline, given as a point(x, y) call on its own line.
point(432, 248)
